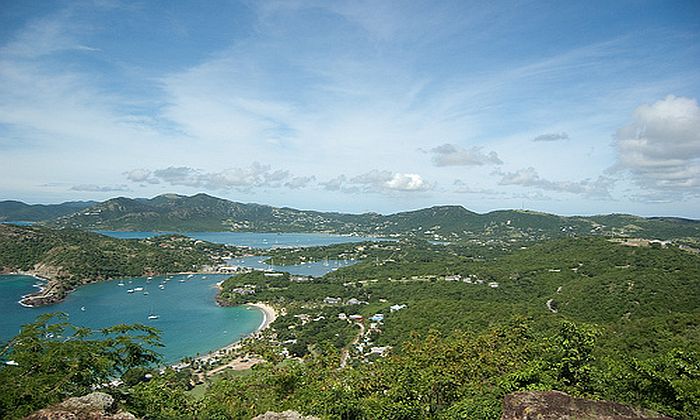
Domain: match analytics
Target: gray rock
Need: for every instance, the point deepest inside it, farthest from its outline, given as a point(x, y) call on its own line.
point(286, 415)
point(555, 405)
point(93, 406)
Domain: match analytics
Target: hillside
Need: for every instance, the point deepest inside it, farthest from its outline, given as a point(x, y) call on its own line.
point(461, 331)
point(69, 258)
point(11, 210)
point(202, 212)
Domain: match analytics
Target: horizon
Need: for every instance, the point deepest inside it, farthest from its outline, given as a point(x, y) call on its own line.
point(365, 212)
point(355, 107)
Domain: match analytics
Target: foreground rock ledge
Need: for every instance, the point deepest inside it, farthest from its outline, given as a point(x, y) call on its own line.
point(555, 405)
point(287, 415)
point(94, 406)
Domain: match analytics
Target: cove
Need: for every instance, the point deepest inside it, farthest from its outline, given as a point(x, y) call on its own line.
point(189, 320)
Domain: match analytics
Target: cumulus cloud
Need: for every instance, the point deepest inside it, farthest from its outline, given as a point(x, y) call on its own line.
point(255, 176)
point(453, 155)
point(528, 177)
point(299, 182)
point(99, 188)
point(378, 181)
point(142, 176)
point(552, 137)
point(660, 148)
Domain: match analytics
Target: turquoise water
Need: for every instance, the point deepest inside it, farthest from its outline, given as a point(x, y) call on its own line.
point(190, 321)
point(253, 239)
point(316, 269)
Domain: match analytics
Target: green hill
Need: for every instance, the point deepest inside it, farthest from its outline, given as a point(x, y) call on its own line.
point(11, 210)
point(202, 212)
point(69, 258)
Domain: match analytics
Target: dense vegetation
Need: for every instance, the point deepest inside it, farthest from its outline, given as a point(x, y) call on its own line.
point(433, 376)
point(72, 257)
point(201, 212)
point(593, 317)
point(11, 210)
point(50, 360)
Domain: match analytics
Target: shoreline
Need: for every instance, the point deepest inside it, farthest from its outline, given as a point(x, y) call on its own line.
point(48, 297)
point(269, 316)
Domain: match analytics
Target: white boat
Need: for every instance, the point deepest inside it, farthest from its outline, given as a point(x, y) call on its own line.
point(82, 308)
point(161, 287)
point(120, 284)
point(145, 293)
point(130, 291)
point(153, 316)
point(138, 289)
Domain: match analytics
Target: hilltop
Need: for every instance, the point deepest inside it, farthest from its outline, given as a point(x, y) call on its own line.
point(201, 212)
point(12, 210)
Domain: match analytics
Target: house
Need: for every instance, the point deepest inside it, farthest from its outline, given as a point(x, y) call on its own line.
point(342, 316)
point(354, 301)
point(395, 308)
point(377, 318)
point(379, 350)
point(356, 317)
point(454, 277)
point(274, 274)
point(493, 284)
point(331, 300)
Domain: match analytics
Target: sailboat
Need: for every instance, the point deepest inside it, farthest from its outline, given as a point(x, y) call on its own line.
point(152, 315)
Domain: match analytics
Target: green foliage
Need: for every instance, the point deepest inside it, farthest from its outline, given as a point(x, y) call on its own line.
point(73, 257)
point(52, 360)
point(201, 212)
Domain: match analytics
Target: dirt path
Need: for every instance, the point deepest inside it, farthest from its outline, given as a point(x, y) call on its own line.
point(345, 355)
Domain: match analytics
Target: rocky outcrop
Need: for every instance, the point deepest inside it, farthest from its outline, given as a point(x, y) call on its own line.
point(555, 405)
point(286, 415)
point(94, 406)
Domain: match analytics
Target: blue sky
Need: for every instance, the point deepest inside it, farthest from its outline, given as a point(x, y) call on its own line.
point(564, 107)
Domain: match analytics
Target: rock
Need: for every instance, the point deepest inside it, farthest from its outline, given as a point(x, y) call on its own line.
point(93, 406)
point(287, 415)
point(555, 405)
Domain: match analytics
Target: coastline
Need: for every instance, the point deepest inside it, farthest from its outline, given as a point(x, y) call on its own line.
point(269, 316)
point(47, 294)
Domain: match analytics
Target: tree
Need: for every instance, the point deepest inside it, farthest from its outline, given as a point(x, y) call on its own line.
point(50, 360)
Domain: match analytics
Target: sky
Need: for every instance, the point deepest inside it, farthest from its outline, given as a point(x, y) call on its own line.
point(562, 107)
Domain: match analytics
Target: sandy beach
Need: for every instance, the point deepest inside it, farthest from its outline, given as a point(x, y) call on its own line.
point(269, 316)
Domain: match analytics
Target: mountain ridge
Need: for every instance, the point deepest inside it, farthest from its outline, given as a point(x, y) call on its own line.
point(202, 212)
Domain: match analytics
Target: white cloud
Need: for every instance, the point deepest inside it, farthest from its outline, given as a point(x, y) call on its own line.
point(660, 148)
point(407, 182)
point(257, 175)
point(452, 155)
point(552, 137)
point(376, 181)
point(528, 177)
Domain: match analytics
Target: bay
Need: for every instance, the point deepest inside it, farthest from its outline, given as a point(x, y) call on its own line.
point(253, 239)
point(189, 320)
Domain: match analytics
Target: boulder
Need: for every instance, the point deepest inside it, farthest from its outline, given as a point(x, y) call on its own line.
point(93, 406)
point(286, 415)
point(555, 405)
